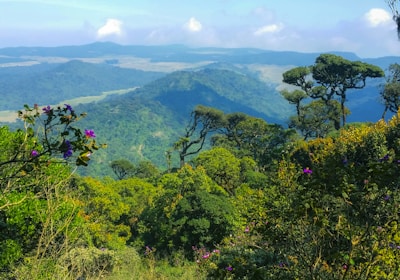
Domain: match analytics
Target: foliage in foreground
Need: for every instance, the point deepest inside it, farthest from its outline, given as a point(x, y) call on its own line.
point(327, 208)
point(332, 213)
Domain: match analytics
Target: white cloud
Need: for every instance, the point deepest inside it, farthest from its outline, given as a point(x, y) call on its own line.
point(271, 28)
point(193, 25)
point(376, 17)
point(112, 27)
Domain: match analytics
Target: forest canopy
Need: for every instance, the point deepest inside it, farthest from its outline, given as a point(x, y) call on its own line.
point(248, 199)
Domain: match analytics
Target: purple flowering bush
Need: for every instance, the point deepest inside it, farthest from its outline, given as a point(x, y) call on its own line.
point(35, 199)
point(57, 135)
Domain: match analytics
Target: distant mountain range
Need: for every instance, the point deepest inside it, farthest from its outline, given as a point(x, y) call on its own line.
point(169, 80)
point(177, 53)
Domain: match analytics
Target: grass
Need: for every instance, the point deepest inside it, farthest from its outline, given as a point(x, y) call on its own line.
point(131, 266)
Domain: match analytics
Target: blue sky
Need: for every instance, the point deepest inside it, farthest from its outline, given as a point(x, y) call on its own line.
point(364, 27)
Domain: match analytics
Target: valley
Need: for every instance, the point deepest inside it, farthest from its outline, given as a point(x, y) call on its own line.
point(145, 94)
point(191, 163)
point(9, 116)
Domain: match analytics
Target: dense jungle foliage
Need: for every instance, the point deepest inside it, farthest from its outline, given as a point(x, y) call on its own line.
point(261, 202)
point(326, 208)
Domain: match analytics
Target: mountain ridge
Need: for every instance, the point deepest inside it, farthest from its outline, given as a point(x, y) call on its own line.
point(144, 123)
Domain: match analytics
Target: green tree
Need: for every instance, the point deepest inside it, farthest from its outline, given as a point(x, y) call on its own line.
point(221, 166)
point(295, 97)
point(145, 169)
point(103, 209)
point(122, 168)
point(192, 211)
point(204, 120)
point(337, 75)
point(391, 91)
point(328, 80)
point(125, 169)
point(300, 77)
point(246, 136)
point(317, 119)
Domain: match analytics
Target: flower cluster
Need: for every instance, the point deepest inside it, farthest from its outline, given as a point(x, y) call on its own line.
point(89, 133)
point(47, 109)
point(67, 149)
point(307, 171)
point(202, 254)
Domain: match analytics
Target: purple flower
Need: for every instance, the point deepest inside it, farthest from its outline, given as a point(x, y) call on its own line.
point(34, 153)
point(67, 154)
point(90, 133)
point(47, 109)
point(345, 266)
point(247, 229)
point(206, 256)
point(68, 107)
point(385, 158)
point(67, 149)
point(307, 171)
point(229, 268)
point(387, 197)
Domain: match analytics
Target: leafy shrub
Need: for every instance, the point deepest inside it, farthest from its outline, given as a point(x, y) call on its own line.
point(88, 263)
point(191, 211)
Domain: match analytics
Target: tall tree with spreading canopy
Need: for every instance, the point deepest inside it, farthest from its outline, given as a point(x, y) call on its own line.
point(204, 120)
point(337, 75)
point(328, 80)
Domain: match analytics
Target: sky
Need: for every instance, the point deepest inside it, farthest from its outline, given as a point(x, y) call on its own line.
point(364, 27)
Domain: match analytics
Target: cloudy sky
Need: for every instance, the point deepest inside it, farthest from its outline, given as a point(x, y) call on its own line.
point(361, 26)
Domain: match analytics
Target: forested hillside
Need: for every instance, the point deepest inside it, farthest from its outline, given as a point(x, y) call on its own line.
point(200, 172)
point(146, 122)
point(52, 83)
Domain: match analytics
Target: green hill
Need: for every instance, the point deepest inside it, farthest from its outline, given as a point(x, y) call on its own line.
point(143, 124)
point(52, 83)
point(224, 89)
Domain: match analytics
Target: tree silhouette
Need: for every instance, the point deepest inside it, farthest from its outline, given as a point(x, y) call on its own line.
point(395, 11)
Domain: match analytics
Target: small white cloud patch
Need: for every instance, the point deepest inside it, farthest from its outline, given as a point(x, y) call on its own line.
point(376, 17)
point(193, 25)
point(271, 28)
point(112, 27)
